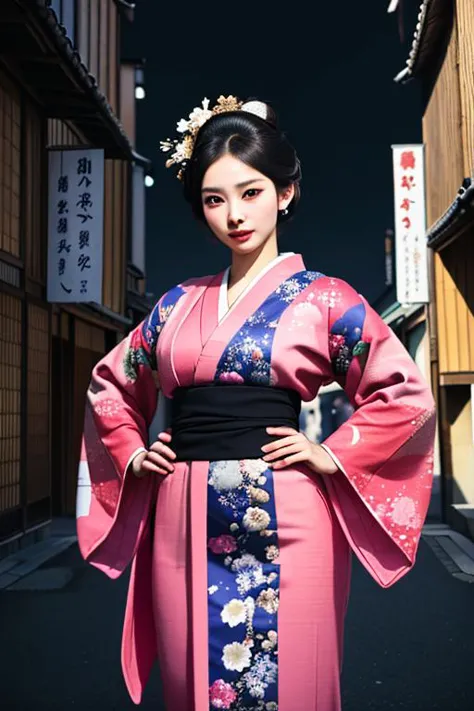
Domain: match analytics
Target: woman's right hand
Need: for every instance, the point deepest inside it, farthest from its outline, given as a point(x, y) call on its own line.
point(157, 460)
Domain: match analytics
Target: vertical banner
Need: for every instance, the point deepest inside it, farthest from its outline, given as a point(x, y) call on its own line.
point(75, 225)
point(410, 224)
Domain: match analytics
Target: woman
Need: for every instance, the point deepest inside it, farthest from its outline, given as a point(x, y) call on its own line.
point(239, 529)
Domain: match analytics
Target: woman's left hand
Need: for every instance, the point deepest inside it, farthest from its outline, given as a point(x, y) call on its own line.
point(294, 447)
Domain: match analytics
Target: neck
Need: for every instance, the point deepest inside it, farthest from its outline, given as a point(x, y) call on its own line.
point(246, 266)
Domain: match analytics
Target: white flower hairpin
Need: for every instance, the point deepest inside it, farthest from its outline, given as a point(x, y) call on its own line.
point(188, 128)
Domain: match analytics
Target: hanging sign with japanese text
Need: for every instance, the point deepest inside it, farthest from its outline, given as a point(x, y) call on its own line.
point(75, 225)
point(410, 224)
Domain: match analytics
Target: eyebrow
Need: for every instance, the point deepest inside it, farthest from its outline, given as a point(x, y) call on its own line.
point(239, 185)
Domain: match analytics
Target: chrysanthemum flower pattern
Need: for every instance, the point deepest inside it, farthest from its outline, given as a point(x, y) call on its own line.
point(243, 585)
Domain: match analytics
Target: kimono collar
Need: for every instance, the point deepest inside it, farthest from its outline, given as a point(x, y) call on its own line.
point(223, 301)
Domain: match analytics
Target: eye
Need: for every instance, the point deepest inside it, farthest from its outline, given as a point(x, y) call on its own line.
point(252, 192)
point(212, 200)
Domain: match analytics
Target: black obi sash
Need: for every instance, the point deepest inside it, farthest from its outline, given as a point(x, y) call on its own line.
point(216, 422)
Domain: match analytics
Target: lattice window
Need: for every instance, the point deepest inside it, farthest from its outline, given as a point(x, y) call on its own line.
point(89, 337)
point(10, 401)
point(10, 131)
point(38, 461)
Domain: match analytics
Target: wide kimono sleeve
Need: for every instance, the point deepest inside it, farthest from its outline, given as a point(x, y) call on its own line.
point(113, 505)
point(384, 451)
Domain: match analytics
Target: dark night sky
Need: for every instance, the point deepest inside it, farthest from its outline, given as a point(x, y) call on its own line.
point(328, 72)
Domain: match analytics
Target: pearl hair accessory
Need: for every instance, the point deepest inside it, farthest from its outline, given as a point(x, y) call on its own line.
point(183, 149)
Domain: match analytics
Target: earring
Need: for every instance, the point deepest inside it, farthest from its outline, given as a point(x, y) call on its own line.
point(284, 212)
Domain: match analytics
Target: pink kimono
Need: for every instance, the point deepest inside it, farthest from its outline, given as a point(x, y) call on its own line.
point(240, 574)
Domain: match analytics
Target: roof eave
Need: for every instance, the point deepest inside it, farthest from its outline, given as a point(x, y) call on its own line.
point(430, 40)
point(63, 84)
point(458, 216)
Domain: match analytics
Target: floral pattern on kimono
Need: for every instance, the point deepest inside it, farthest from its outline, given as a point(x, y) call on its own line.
point(243, 578)
point(345, 339)
point(248, 356)
point(143, 341)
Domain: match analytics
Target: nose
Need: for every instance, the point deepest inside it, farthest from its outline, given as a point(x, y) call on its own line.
point(235, 216)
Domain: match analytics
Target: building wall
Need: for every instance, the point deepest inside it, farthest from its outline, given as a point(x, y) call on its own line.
point(459, 413)
point(47, 351)
point(448, 131)
point(448, 128)
point(24, 316)
point(116, 197)
point(448, 123)
point(97, 41)
point(10, 175)
point(454, 270)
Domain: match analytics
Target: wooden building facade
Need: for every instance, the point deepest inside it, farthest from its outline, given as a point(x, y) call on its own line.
point(60, 86)
point(442, 59)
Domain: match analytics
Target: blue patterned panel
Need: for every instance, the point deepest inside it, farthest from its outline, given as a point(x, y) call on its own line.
point(243, 586)
point(345, 339)
point(143, 340)
point(153, 324)
point(157, 318)
point(247, 358)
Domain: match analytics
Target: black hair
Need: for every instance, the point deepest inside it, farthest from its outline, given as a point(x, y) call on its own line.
point(255, 141)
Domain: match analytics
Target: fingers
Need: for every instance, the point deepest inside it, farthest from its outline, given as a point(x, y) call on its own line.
point(288, 461)
point(282, 431)
point(157, 460)
point(148, 467)
point(293, 448)
point(162, 449)
point(284, 442)
point(160, 460)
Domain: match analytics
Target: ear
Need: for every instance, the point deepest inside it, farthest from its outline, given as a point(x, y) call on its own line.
point(286, 196)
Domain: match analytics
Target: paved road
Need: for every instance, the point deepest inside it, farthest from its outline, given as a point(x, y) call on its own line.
point(410, 647)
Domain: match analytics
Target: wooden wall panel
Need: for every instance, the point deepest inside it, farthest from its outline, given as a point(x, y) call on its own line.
point(93, 65)
point(469, 296)
point(52, 125)
point(454, 267)
point(89, 337)
point(465, 21)
point(115, 234)
point(10, 166)
point(104, 49)
point(126, 203)
point(33, 198)
point(98, 28)
point(83, 32)
point(117, 278)
point(108, 234)
point(442, 136)
point(114, 58)
point(38, 404)
point(440, 312)
point(61, 134)
point(127, 102)
point(10, 400)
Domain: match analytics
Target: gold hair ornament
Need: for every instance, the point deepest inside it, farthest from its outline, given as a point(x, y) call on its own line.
point(183, 149)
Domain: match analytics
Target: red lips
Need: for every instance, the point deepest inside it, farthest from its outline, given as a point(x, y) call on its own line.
point(240, 233)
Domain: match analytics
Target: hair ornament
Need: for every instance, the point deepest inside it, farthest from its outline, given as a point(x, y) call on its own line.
point(188, 128)
point(256, 107)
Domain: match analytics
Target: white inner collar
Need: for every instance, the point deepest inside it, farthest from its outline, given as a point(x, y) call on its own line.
point(223, 300)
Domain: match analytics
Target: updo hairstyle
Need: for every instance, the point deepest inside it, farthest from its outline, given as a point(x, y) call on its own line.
point(255, 141)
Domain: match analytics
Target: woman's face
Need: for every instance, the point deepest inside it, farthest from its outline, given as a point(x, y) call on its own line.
point(241, 205)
